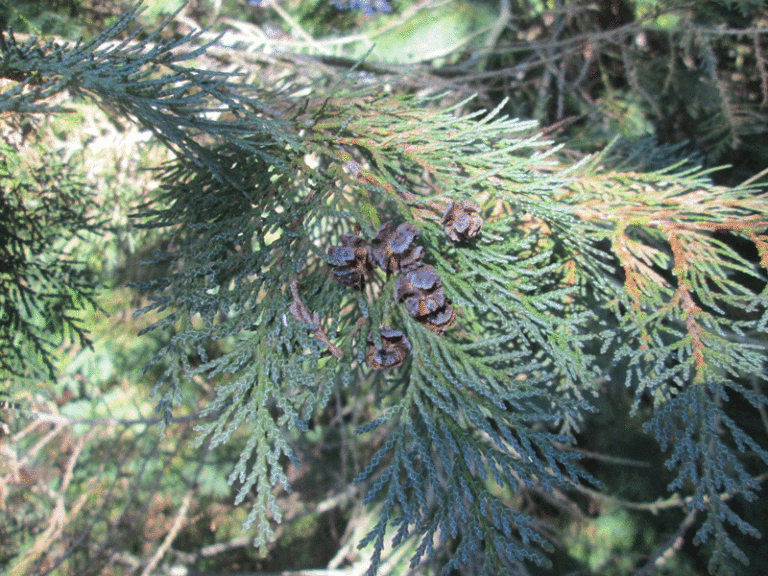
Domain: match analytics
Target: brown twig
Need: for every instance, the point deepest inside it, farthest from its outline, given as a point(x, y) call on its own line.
point(302, 314)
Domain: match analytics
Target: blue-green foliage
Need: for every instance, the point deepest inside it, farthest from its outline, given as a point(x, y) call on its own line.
point(702, 439)
point(367, 6)
point(574, 264)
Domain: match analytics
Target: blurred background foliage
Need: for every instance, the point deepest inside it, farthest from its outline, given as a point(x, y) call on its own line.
point(91, 484)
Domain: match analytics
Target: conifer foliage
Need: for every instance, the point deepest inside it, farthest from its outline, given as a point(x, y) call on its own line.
point(450, 261)
point(42, 282)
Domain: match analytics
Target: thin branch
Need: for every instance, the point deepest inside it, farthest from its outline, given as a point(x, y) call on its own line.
point(674, 501)
point(603, 457)
point(62, 421)
point(669, 549)
point(59, 517)
point(178, 523)
point(505, 15)
point(296, 26)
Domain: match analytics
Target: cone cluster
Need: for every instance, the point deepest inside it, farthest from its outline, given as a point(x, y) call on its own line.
point(418, 285)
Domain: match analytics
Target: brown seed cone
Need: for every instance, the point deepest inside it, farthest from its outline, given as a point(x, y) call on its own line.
point(422, 290)
point(441, 320)
point(393, 352)
point(395, 251)
point(462, 220)
point(352, 261)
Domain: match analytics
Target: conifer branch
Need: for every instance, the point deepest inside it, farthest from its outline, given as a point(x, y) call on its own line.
point(547, 267)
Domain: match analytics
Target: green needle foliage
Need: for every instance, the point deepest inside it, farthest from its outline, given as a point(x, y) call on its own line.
point(581, 273)
point(43, 283)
